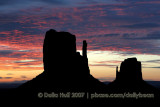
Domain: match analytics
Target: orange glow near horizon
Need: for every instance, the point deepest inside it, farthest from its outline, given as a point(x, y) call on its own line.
point(102, 66)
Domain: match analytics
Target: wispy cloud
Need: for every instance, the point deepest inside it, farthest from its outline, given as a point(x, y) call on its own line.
point(141, 26)
point(6, 77)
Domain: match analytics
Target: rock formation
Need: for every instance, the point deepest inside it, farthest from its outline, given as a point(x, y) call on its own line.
point(129, 78)
point(64, 67)
point(130, 71)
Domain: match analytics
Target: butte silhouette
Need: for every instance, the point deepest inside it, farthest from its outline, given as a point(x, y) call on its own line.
point(129, 78)
point(64, 67)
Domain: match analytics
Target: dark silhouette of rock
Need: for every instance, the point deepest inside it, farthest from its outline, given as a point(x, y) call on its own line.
point(64, 67)
point(130, 71)
point(129, 78)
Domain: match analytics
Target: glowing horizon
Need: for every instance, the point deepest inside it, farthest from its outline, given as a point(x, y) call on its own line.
point(102, 66)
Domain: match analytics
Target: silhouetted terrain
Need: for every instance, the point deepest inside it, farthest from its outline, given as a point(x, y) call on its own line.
point(64, 67)
point(153, 83)
point(65, 70)
point(129, 78)
point(16, 85)
point(9, 85)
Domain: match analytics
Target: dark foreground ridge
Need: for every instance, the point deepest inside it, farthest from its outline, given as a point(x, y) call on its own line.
point(65, 70)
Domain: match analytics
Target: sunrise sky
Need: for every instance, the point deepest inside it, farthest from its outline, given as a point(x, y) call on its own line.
point(114, 30)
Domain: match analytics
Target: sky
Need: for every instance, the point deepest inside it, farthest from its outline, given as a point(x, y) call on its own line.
point(114, 30)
